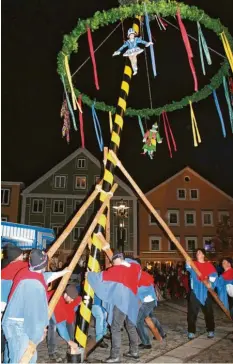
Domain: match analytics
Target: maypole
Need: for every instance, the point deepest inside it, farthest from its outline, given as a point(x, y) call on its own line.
point(94, 257)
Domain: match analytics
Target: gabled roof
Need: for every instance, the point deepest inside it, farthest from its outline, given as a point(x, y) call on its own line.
point(65, 161)
point(190, 170)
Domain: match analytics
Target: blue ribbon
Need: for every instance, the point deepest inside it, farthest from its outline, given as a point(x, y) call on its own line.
point(69, 105)
point(203, 47)
point(152, 53)
point(97, 128)
point(228, 100)
point(219, 113)
point(141, 126)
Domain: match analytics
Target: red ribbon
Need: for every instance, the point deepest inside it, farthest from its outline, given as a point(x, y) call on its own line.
point(81, 122)
point(188, 48)
point(92, 53)
point(167, 129)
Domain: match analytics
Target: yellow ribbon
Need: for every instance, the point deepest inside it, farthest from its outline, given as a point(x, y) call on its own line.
point(74, 100)
point(227, 49)
point(196, 134)
point(110, 121)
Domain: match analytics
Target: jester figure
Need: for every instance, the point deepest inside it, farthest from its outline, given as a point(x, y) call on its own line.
point(133, 49)
point(151, 138)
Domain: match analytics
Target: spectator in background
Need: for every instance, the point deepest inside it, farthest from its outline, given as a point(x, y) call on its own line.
point(225, 285)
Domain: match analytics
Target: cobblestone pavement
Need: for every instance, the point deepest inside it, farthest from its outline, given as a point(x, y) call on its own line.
point(176, 347)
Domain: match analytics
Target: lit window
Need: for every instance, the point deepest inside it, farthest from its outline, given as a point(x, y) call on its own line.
point(80, 182)
point(60, 181)
point(5, 196)
point(194, 194)
point(155, 243)
point(191, 243)
point(77, 232)
point(81, 163)
point(207, 218)
point(173, 217)
point(181, 194)
point(152, 219)
point(37, 206)
point(190, 218)
point(58, 207)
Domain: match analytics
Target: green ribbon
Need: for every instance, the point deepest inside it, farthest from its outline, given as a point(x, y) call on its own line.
point(203, 47)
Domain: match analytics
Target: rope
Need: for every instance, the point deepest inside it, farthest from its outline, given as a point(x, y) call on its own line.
point(100, 45)
point(193, 38)
point(147, 72)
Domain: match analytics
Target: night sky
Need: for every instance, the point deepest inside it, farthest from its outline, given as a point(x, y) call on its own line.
point(32, 94)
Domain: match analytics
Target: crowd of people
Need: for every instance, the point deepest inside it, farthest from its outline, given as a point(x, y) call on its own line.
point(126, 294)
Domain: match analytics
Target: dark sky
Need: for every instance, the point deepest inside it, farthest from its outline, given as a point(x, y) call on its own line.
point(32, 33)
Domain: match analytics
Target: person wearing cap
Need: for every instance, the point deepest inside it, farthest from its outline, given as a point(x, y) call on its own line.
point(117, 287)
point(63, 320)
point(26, 315)
point(199, 295)
point(224, 284)
point(133, 49)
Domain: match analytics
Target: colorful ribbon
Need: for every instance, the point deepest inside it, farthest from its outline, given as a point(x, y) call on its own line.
point(228, 100)
point(69, 105)
point(66, 122)
point(188, 48)
point(196, 134)
point(227, 49)
point(92, 53)
point(203, 47)
point(73, 97)
point(110, 121)
point(97, 128)
point(141, 126)
point(152, 53)
point(81, 122)
point(167, 129)
point(219, 113)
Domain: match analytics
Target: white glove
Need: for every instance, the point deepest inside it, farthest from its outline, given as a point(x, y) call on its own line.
point(229, 288)
point(116, 53)
point(144, 140)
point(149, 43)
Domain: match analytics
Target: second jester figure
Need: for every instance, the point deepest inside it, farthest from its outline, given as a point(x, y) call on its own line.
point(133, 49)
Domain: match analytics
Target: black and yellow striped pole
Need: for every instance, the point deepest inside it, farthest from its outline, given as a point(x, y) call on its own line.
point(94, 257)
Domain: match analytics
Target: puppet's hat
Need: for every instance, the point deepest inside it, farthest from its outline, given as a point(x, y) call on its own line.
point(131, 31)
point(154, 127)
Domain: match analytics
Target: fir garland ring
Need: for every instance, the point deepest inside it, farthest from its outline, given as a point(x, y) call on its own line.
point(164, 8)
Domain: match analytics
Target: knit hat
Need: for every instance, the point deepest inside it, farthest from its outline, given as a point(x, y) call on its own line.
point(11, 252)
point(38, 259)
point(72, 291)
point(117, 255)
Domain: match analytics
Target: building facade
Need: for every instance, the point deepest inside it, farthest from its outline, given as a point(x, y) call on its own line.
point(191, 206)
point(53, 199)
point(10, 201)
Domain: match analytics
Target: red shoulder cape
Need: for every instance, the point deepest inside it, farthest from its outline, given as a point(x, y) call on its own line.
point(206, 269)
point(146, 279)
point(25, 273)
point(10, 271)
point(228, 274)
point(128, 276)
point(65, 311)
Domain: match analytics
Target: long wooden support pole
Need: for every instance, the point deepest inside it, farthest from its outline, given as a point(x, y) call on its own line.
point(62, 285)
point(169, 232)
point(56, 245)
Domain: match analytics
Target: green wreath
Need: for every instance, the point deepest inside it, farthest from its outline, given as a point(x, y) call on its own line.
point(100, 19)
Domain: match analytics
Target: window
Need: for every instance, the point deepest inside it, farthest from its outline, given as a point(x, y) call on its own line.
point(81, 163)
point(171, 245)
point(77, 232)
point(207, 218)
point(181, 194)
point(155, 243)
point(60, 181)
point(80, 182)
point(57, 229)
point(77, 204)
point(96, 179)
point(173, 217)
point(121, 233)
point(58, 207)
point(5, 196)
point(4, 218)
point(222, 215)
point(194, 194)
point(190, 218)
point(152, 219)
point(208, 244)
point(191, 243)
point(37, 206)
point(187, 179)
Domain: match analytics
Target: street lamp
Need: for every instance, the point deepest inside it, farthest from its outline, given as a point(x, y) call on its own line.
point(121, 211)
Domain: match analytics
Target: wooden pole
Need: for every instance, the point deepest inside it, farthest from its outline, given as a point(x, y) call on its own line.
point(56, 245)
point(169, 232)
point(62, 285)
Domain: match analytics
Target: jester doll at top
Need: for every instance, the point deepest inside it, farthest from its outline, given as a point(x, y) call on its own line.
point(133, 49)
